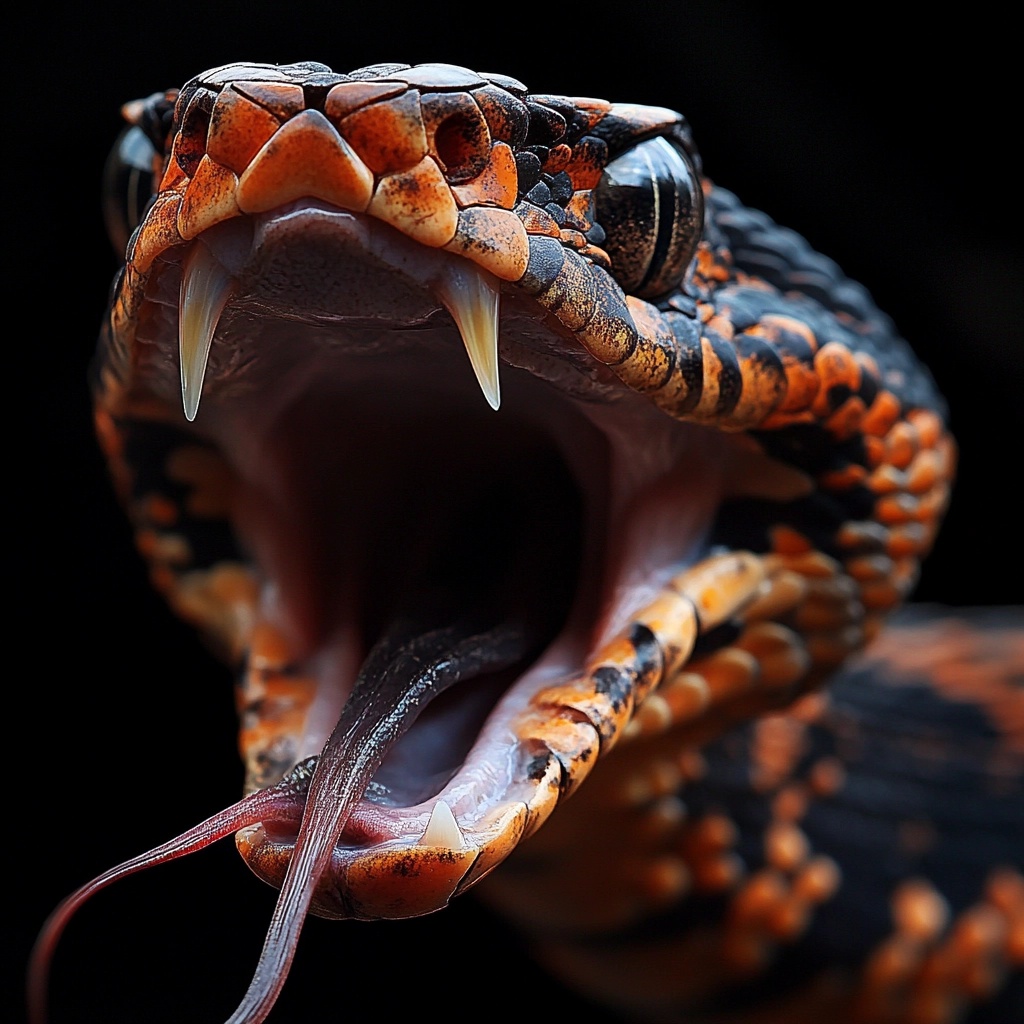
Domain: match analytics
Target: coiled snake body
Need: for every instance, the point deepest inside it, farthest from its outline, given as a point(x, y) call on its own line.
point(700, 476)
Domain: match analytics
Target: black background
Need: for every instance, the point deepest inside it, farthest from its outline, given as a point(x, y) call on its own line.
point(890, 145)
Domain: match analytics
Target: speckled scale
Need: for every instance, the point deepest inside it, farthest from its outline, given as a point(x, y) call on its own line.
point(508, 116)
point(547, 126)
point(577, 121)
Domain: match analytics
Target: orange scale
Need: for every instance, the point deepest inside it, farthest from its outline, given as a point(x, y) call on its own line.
point(760, 894)
point(403, 883)
point(928, 425)
point(687, 696)
point(159, 232)
point(593, 109)
point(924, 472)
point(887, 479)
point(836, 367)
point(902, 444)
point(875, 452)
point(1015, 943)
point(786, 847)
point(494, 239)
point(496, 185)
point(845, 422)
point(818, 880)
point(827, 776)
point(573, 238)
point(1005, 890)
point(173, 176)
point(790, 803)
point(347, 97)
point(789, 919)
point(305, 158)
point(157, 509)
point(729, 673)
point(869, 568)
point(721, 585)
point(919, 911)
point(574, 743)
point(558, 159)
point(712, 834)
point(282, 99)
point(499, 833)
point(932, 504)
point(882, 414)
point(587, 164)
point(457, 132)
point(578, 210)
point(896, 509)
point(537, 221)
point(388, 135)
point(787, 541)
point(802, 385)
point(239, 129)
point(979, 931)
point(813, 564)
point(208, 200)
point(909, 539)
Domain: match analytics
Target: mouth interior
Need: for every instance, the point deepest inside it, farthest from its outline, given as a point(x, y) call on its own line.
point(376, 489)
point(400, 509)
point(486, 528)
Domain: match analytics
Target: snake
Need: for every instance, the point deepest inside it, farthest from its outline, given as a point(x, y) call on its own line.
point(555, 513)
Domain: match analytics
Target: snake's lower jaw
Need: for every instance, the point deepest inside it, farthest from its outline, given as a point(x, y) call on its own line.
point(399, 879)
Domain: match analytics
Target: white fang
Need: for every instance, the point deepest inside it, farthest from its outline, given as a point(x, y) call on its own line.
point(442, 829)
point(205, 288)
point(471, 296)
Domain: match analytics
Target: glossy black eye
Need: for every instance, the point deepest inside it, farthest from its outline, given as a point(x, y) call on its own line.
point(651, 208)
point(127, 184)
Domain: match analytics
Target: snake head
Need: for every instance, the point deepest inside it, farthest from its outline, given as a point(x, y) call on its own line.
point(449, 414)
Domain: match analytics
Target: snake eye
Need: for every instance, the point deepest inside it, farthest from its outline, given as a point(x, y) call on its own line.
point(651, 208)
point(127, 184)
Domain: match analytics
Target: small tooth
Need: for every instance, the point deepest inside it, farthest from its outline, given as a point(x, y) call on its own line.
point(205, 288)
point(442, 829)
point(471, 296)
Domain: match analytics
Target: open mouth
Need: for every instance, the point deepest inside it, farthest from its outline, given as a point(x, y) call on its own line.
point(441, 411)
point(419, 419)
point(417, 556)
point(376, 495)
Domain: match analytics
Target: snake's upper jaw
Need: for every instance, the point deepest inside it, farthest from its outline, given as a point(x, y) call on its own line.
point(470, 293)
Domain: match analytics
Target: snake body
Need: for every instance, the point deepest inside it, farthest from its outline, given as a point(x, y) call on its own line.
point(708, 474)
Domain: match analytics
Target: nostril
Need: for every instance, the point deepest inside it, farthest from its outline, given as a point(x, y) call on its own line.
point(462, 144)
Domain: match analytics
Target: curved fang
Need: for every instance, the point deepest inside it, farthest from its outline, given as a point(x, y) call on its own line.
point(471, 296)
point(443, 829)
point(205, 289)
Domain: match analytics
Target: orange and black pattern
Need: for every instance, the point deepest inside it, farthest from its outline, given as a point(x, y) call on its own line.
point(854, 859)
point(721, 858)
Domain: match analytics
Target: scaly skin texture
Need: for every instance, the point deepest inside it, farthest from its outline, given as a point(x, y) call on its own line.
point(823, 469)
point(855, 858)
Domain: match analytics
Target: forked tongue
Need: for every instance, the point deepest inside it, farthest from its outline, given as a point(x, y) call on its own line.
point(397, 680)
point(403, 672)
